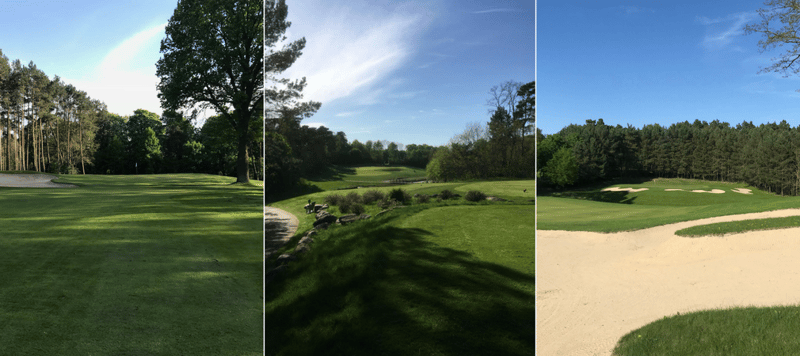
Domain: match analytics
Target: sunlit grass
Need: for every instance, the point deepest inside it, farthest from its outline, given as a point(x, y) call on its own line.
point(132, 265)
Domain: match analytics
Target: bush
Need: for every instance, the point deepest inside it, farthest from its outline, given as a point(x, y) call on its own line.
point(446, 194)
point(399, 195)
point(357, 209)
point(372, 196)
point(423, 199)
point(353, 198)
point(345, 206)
point(385, 203)
point(474, 195)
point(334, 199)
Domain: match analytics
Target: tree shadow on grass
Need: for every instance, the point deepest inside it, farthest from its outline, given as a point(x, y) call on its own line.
point(385, 290)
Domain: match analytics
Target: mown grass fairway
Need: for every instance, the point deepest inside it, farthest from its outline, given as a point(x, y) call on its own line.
point(448, 278)
point(132, 265)
point(342, 177)
point(609, 211)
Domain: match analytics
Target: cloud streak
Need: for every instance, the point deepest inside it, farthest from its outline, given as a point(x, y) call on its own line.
point(352, 52)
point(721, 31)
point(489, 11)
point(125, 79)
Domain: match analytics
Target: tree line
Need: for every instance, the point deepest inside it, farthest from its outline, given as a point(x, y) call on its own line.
point(766, 156)
point(503, 148)
point(49, 126)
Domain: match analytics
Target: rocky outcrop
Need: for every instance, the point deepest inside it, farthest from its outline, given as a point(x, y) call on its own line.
point(346, 219)
point(324, 217)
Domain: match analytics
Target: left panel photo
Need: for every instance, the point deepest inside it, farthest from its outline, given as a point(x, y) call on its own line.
point(131, 178)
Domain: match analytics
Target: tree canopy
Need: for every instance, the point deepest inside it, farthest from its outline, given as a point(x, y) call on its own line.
point(213, 57)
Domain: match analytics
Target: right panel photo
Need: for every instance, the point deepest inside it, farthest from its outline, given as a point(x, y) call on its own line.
point(668, 174)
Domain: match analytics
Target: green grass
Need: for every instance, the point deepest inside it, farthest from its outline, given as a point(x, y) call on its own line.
point(338, 177)
point(132, 265)
point(449, 278)
point(596, 210)
point(732, 332)
point(733, 227)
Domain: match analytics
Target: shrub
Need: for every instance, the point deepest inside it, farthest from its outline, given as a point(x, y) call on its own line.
point(372, 196)
point(353, 198)
point(474, 195)
point(345, 206)
point(423, 199)
point(385, 203)
point(399, 195)
point(446, 194)
point(333, 199)
point(357, 209)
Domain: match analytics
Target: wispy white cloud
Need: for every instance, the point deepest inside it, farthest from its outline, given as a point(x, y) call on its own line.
point(126, 77)
point(348, 113)
point(630, 10)
point(489, 11)
point(348, 53)
point(721, 32)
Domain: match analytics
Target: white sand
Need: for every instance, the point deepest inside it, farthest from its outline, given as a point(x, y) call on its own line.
point(593, 288)
point(618, 189)
point(712, 191)
point(743, 190)
point(31, 181)
point(674, 190)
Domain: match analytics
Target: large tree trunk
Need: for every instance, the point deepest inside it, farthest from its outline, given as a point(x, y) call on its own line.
point(242, 173)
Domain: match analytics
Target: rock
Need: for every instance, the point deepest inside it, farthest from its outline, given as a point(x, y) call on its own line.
point(323, 226)
point(324, 217)
point(495, 199)
point(318, 207)
point(364, 217)
point(383, 212)
point(311, 233)
point(306, 240)
point(416, 195)
point(301, 248)
point(286, 258)
point(346, 219)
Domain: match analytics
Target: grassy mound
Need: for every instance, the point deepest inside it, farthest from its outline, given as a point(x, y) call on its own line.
point(338, 177)
point(149, 264)
point(738, 331)
point(734, 227)
point(425, 279)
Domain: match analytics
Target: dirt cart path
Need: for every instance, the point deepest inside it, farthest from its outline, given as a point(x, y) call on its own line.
point(279, 227)
point(593, 288)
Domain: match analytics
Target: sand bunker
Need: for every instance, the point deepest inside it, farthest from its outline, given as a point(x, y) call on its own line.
point(743, 190)
point(31, 181)
point(618, 189)
point(593, 288)
point(712, 191)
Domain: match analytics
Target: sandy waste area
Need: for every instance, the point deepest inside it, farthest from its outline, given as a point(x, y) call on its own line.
point(593, 288)
point(31, 181)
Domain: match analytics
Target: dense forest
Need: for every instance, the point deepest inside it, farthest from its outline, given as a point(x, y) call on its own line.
point(49, 126)
point(502, 148)
point(765, 156)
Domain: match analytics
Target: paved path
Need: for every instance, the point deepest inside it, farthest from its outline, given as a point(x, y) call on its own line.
point(279, 227)
point(31, 181)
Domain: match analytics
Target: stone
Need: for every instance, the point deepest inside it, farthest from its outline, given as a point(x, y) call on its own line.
point(346, 219)
point(306, 240)
point(318, 207)
point(324, 217)
point(323, 226)
point(301, 248)
point(311, 233)
point(364, 216)
point(286, 258)
point(416, 195)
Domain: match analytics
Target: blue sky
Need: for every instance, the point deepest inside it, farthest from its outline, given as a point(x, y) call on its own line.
point(409, 72)
point(644, 62)
point(105, 48)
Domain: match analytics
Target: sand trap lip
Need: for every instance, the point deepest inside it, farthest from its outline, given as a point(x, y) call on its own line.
point(743, 190)
point(618, 189)
point(593, 288)
point(31, 181)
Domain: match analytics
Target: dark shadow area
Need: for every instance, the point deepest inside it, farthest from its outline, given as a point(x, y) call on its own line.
point(593, 191)
point(302, 188)
point(384, 290)
point(332, 172)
